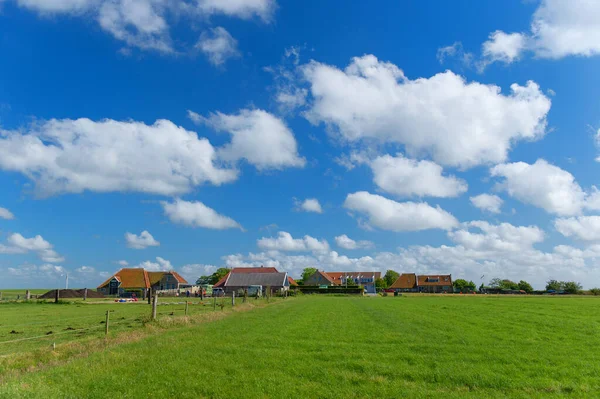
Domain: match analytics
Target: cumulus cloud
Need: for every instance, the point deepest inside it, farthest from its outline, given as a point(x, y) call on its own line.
point(558, 29)
point(192, 271)
point(457, 51)
point(285, 242)
point(503, 237)
point(71, 156)
point(218, 45)
point(6, 214)
point(346, 242)
point(259, 137)
point(487, 202)
point(309, 205)
point(147, 24)
point(123, 263)
point(160, 265)
point(408, 177)
point(545, 186)
point(586, 228)
point(85, 269)
point(399, 216)
point(244, 9)
point(196, 214)
point(456, 122)
point(503, 47)
point(142, 241)
point(17, 244)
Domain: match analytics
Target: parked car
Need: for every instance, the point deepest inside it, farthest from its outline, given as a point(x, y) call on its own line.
point(218, 292)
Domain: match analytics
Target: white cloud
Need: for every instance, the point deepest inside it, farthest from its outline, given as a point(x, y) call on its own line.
point(196, 214)
point(407, 177)
point(146, 24)
point(71, 156)
point(487, 202)
point(399, 216)
point(142, 241)
point(17, 244)
point(258, 137)
point(586, 228)
point(244, 9)
point(545, 186)
point(558, 29)
point(455, 51)
point(285, 242)
point(40, 273)
point(457, 123)
point(503, 237)
point(218, 45)
point(191, 272)
point(309, 205)
point(503, 47)
point(85, 269)
point(160, 265)
point(346, 242)
point(123, 263)
point(6, 214)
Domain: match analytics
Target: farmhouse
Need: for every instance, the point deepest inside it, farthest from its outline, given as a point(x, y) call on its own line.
point(410, 282)
point(140, 281)
point(366, 279)
point(243, 277)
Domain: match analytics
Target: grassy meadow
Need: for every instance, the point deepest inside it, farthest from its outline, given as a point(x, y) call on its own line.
point(347, 347)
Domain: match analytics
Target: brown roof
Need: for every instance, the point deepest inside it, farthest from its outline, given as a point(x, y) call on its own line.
point(434, 279)
point(405, 281)
point(326, 276)
point(140, 278)
point(339, 277)
point(130, 278)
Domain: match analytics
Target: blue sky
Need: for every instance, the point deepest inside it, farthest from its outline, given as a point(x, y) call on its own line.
point(423, 137)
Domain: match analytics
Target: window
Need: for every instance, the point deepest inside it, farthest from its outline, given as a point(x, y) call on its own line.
point(433, 279)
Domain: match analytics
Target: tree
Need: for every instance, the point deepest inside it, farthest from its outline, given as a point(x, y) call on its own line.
point(390, 277)
point(525, 286)
point(380, 283)
point(307, 272)
point(213, 278)
point(503, 284)
point(571, 287)
point(554, 285)
point(595, 291)
point(463, 285)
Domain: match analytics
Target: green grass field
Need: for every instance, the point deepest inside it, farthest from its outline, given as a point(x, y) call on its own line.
point(349, 347)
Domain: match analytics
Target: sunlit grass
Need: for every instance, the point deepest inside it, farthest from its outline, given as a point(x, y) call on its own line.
point(344, 347)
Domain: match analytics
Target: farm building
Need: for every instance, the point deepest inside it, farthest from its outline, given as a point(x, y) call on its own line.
point(241, 281)
point(364, 278)
point(410, 282)
point(140, 281)
point(252, 270)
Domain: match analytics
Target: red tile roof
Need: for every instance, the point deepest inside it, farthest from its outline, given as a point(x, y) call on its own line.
point(291, 281)
point(178, 277)
point(325, 276)
point(405, 281)
point(437, 279)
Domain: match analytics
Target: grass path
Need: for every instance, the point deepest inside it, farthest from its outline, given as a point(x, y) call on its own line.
point(340, 347)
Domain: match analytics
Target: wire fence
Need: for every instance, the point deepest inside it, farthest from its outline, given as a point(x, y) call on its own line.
point(56, 329)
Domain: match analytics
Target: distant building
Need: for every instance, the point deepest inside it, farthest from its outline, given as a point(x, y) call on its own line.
point(365, 278)
point(140, 281)
point(410, 282)
point(240, 278)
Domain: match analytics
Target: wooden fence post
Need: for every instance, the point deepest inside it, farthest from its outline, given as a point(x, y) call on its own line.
point(186, 307)
point(84, 294)
point(233, 299)
point(0, 296)
point(57, 296)
point(154, 304)
point(27, 295)
point(106, 323)
point(214, 303)
point(245, 294)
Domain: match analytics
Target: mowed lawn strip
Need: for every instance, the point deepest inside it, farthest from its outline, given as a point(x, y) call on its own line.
point(344, 347)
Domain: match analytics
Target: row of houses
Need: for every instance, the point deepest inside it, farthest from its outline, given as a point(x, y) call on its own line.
point(240, 278)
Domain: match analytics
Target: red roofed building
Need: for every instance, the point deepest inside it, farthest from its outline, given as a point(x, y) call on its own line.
point(365, 278)
point(261, 269)
point(140, 280)
point(410, 282)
